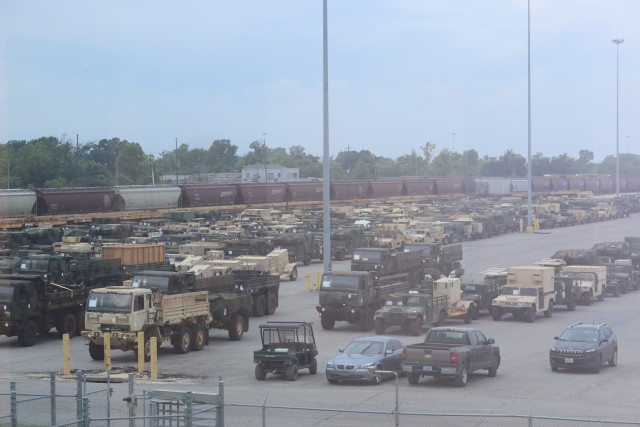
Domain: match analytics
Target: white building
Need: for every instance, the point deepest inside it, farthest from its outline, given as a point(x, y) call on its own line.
point(273, 173)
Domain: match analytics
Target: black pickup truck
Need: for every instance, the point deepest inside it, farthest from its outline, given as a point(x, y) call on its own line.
point(452, 352)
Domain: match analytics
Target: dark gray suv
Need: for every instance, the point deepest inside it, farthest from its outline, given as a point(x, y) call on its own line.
point(584, 346)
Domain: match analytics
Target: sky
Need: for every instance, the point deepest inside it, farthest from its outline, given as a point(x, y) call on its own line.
point(401, 73)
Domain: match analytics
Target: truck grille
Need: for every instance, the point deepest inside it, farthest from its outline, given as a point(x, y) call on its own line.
point(510, 303)
point(569, 352)
point(396, 317)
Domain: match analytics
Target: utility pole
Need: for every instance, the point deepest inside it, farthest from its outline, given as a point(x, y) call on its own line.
point(177, 161)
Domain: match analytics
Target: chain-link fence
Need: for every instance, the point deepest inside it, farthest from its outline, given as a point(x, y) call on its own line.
point(50, 401)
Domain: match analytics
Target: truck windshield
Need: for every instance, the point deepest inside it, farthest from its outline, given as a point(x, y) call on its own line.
point(31, 264)
point(469, 288)
point(6, 293)
point(588, 277)
point(109, 302)
point(349, 283)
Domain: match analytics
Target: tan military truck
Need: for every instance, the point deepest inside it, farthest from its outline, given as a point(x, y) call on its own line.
point(123, 311)
point(529, 290)
point(592, 281)
point(457, 307)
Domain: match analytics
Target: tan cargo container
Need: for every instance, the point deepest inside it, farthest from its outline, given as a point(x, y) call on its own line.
point(135, 254)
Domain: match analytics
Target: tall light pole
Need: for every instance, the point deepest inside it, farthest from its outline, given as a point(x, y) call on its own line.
point(453, 142)
point(264, 146)
point(617, 42)
point(8, 172)
point(529, 177)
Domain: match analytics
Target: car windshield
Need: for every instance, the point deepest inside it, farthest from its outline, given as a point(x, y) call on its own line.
point(109, 302)
point(579, 335)
point(364, 347)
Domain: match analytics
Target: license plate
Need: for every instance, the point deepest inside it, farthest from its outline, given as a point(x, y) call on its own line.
point(343, 373)
point(568, 360)
point(427, 368)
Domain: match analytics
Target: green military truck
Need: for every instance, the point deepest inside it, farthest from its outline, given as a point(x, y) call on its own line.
point(301, 247)
point(483, 293)
point(32, 306)
point(387, 264)
point(73, 271)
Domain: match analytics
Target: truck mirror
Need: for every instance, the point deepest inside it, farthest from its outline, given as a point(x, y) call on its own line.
point(491, 341)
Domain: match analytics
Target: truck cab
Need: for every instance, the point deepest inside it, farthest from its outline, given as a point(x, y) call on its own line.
point(529, 289)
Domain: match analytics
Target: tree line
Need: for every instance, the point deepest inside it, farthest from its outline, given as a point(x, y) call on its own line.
point(51, 162)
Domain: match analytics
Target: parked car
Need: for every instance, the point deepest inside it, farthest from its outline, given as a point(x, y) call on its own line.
point(380, 352)
point(584, 346)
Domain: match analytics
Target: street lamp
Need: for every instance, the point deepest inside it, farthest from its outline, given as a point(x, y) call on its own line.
point(8, 172)
point(617, 42)
point(373, 371)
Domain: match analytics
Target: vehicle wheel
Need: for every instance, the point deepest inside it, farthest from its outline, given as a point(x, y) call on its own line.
point(441, 319)
point(624, 289)
point(554, 368)
point(96, 351)
point(340, 256)
point(616, 291)
point(199, 337)
point(272, 304)
point(589, 295)
point(67, 325)
point(327, 322)
point(596, 368)
point(261, 374)
point(366, 323)
point(549, 311)
point(476, 312)
point(416, 327)
point(260, 306)
point(377, 377)
point(468, 317)
point(462, 377)
point(313, 367)
point(27, 336)
point(531, 314)
point(496, 313)
point(236, 327)
point(613, 362)
point(294, 274)
point(292, 372)
point(379, 326)
point(413, 378)
point(493, 369)
point(182, 343)
point(307, 259)
point(147, 345)
point(571, 306)
point(603, 295)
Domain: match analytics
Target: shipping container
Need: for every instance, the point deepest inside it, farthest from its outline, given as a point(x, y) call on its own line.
point(17, 202)
point(209, 195)
point(387, 187)
point(141, 197)
point(304, 191)
point(520, 185)
point(419, 186)
point(494, 185)
point(262, 193)
point(53, 201)
point(349, 190)
point(139, 254)
point(541, 185)
point(447, 186)
point(469, 185)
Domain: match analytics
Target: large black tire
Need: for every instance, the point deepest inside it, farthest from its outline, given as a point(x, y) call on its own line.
point(272, 303)
point(603, 295)
point(596, 368)
point(67, 324)
point(613, 362)
point(496, 313)
point(147, 345)
point(463, 377)
point(261, 374)
point(313, 366)
point(327, 322)
point(379, 326)
point(96, 351)
point(413, 377)
point(292, 372)
point(476, 312)
point(294, 274)
point(307, 259)
point(236, 327)
point(468, 317)
point(493, 369)
point(616, 291)
point(549, 311)
point(441, 318)
point(531, 314)
point(586, 299)
point(199, 337)
point(416, 327)
point(260, 305)
point(182, 341)
point(27, 336)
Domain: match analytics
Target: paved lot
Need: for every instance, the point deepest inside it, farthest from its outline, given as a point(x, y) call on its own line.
point(524, 378)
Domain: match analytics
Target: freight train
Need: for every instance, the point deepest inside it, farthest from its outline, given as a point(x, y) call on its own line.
point(62, 201)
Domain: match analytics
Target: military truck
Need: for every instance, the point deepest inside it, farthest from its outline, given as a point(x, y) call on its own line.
point(410, 311)
point(457, 308)
point(354, 296)
point(439, 259)
point(566, 287)
point(577, 256)
point(483, 293)
point(592, 281)
point(33, 305)
point(123, 311)
point(345, 239)
point(137, 257)
point(529, 289)
point(390, 264)
point(301, 247)
point(391, 235)
point(73, 271)
point(621, 273)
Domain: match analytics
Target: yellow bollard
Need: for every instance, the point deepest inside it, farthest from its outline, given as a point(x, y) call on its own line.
point(536, 224)
point(107, 351)
point(521, 225)
point(308, 282)
point(154, 358)
point(140, 351)
point(317, 280)
point(66, 355)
